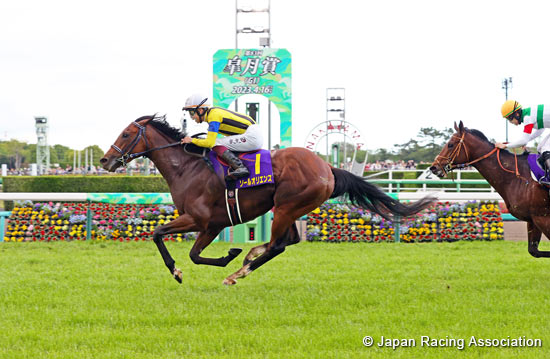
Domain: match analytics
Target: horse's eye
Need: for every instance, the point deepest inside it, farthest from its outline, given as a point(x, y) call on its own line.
point(125, 135)
point(451, 145)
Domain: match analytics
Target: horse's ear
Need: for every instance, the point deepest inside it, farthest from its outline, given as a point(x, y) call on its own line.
point(144, 120)
point(456, 128)
point(460, 126)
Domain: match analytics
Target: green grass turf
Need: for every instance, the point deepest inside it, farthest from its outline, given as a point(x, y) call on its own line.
point(316, 300)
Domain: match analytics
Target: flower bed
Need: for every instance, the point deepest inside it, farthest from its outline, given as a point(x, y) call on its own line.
point(331, 223)
point(67, 221)
point(444, 221)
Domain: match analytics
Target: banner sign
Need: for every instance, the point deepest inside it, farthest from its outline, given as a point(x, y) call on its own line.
point(131, 198)
point(264, 72)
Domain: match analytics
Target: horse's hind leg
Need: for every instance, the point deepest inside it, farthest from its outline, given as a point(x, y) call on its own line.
point(255, 252)
point(282, 234)
point(259, 250)
point(534, 234)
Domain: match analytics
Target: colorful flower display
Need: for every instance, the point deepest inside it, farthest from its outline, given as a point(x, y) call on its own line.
point(332, 222)
point(67, 221)
point(445, 221)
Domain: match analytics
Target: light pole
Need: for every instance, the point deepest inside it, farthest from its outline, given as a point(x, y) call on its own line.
point(506, 83)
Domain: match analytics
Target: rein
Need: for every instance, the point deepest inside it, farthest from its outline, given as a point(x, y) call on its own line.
point(126, 156)
point(451, 158)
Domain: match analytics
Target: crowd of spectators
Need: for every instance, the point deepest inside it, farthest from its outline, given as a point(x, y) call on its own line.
point(83, 170)
point(390, 165)
point(139, 168)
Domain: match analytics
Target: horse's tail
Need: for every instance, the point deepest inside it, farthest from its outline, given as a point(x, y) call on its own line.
point(366, 195)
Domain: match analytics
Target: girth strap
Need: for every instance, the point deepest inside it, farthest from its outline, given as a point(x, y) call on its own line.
point(232, 203)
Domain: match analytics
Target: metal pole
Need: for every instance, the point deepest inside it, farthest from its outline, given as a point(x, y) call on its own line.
point(506, 97)
point(237, 43)
point(3, 216)
point(89, 222)
point(86, 160)
point(507, 82)
point(328, 153)
point(147, 165)
point(397, 229)
point(236, 24)
point(269, 125)
point(346, 167)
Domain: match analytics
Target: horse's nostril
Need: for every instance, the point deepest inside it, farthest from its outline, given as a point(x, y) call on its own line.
point(103, 160)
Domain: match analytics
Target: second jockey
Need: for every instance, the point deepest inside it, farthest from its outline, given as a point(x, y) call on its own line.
point(534, 120)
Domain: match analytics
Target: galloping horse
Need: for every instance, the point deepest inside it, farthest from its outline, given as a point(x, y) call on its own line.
point(302, 183)
point(509, 175)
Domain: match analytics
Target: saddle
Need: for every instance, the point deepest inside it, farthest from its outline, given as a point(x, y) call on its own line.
point(261, 172)
point(537, 171)
point(258, 164)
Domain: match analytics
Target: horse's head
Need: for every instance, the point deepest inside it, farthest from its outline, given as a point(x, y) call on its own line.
point(132, 140)
point(456, 152)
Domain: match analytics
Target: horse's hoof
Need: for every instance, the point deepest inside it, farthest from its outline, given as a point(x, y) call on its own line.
point(178, 275)
point(228, 281)
point(233, 252)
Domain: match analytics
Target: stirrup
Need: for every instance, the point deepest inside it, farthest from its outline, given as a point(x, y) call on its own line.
point(234, 174)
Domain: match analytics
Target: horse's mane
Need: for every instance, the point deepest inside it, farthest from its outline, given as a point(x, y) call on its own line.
point(160, 123)
point(481, 136)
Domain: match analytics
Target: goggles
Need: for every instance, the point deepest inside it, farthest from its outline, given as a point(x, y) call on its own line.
point(193, 110)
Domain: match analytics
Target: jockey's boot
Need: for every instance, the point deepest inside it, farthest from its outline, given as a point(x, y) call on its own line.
point(238, 170)
point(545, 161)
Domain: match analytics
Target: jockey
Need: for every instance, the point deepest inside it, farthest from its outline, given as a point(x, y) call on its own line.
point(534, 120)
point(241, 131)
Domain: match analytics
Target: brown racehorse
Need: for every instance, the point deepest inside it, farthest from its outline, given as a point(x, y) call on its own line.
point(302, 183)
point(509, 175)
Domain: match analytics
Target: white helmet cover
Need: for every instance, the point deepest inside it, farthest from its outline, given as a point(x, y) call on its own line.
point(196, 100)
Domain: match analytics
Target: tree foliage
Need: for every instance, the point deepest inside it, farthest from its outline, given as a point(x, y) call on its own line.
point(17, 154)
point(424, 147)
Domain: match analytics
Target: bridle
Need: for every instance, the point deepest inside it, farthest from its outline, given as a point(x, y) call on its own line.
point(126, 156)
point(452, 157)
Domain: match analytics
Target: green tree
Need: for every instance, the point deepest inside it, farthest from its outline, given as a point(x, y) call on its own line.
point(17, 154)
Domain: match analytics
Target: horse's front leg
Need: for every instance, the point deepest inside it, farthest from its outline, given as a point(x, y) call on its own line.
point(182, 224)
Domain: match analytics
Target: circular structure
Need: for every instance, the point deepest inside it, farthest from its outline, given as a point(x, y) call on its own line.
point(333, 128)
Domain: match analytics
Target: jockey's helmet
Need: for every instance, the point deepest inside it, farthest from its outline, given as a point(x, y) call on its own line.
point(196, 100)
point(509, 108)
